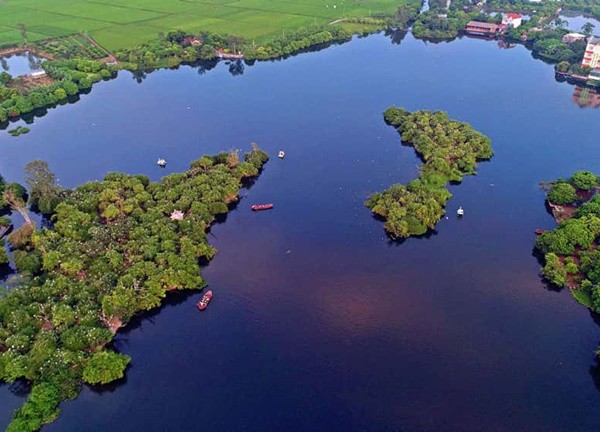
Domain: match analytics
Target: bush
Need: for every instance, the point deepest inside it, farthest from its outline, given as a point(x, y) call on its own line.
point(562, 194)
point(554, 270)
point(105, 367)
point(585, 180)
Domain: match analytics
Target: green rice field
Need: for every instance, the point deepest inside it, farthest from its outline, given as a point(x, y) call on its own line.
point(126, 23)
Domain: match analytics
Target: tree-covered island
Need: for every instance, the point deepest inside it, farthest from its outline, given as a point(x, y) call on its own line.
point(449, 150)
point(116, 248)
point(570, 252)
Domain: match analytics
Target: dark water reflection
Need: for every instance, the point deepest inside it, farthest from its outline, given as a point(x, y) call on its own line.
point(586, 97)
point(318, 321)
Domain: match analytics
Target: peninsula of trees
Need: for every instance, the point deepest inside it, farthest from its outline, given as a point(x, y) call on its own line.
point(449, 150)
point(570, 252)
point(113, 251)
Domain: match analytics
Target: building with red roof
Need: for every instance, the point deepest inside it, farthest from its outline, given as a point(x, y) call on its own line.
point(512, 20)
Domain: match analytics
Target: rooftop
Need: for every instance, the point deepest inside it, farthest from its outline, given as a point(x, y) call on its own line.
point(490, 26)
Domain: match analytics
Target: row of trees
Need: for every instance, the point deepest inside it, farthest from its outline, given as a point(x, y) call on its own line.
point(178, 46)
point(175, 47)
point(450, 150)
point(112, 252)
point(70, 78)
point(571, 255)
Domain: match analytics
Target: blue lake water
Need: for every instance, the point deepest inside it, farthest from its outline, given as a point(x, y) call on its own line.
point(576, 22)
point(20, 64)
point(319, 322)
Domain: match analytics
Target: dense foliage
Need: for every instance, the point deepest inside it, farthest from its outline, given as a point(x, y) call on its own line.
point(113, 251)
point(548, 44)
point(450, 150)
point(68, 77)
point(571, 257)
point(438, 24)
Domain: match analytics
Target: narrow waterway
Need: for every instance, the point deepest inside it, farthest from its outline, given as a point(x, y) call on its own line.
point(319, 322)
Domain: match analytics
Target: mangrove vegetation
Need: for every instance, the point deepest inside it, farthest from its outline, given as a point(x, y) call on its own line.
point(113, 251)
point(449, 150)
point(570, 254)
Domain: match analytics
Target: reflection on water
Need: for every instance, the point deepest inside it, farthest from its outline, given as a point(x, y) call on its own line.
point(316, 316)
point(586, 97)
point(20, 64)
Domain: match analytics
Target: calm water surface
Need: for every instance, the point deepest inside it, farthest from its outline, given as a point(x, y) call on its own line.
point(20, 64)
point(576, 22)
point(319, 323)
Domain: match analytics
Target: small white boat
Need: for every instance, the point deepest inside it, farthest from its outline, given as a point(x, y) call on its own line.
point(281, 154)
point(161, 163)
point(460, 211)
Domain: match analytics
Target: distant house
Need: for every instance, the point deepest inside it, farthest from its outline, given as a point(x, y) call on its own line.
point(477, 28)
point(193, 41)
point(512, 20)
point(570, 38)
point(591, 57)
point(177, 215)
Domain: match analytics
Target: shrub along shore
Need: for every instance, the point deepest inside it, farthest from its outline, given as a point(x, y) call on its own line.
point(113, 252)
point(570, 255)
point(449, 149)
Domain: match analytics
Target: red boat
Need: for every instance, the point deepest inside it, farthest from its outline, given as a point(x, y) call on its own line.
point(205, 300)
point(539, 231)
point(257, 207)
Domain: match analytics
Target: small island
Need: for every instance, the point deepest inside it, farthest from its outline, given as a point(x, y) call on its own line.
point(570, 252)
point(115, 249)
point(449, 150)
point(19, 130)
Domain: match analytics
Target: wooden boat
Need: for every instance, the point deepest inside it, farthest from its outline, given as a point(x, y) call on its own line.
point(257, 207)
point(205, 300)
point(539, 231)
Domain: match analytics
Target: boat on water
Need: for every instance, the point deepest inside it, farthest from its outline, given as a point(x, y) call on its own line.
point(161, 163)
point(205, 300)
point(281, 154)
point(257, 207)
point(539, 231)
point(460, 211)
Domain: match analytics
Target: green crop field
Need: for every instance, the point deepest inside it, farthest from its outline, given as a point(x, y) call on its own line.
point(127, 23)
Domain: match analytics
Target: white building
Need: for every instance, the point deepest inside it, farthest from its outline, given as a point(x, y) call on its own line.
point(591, 58)
point(512, 20)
